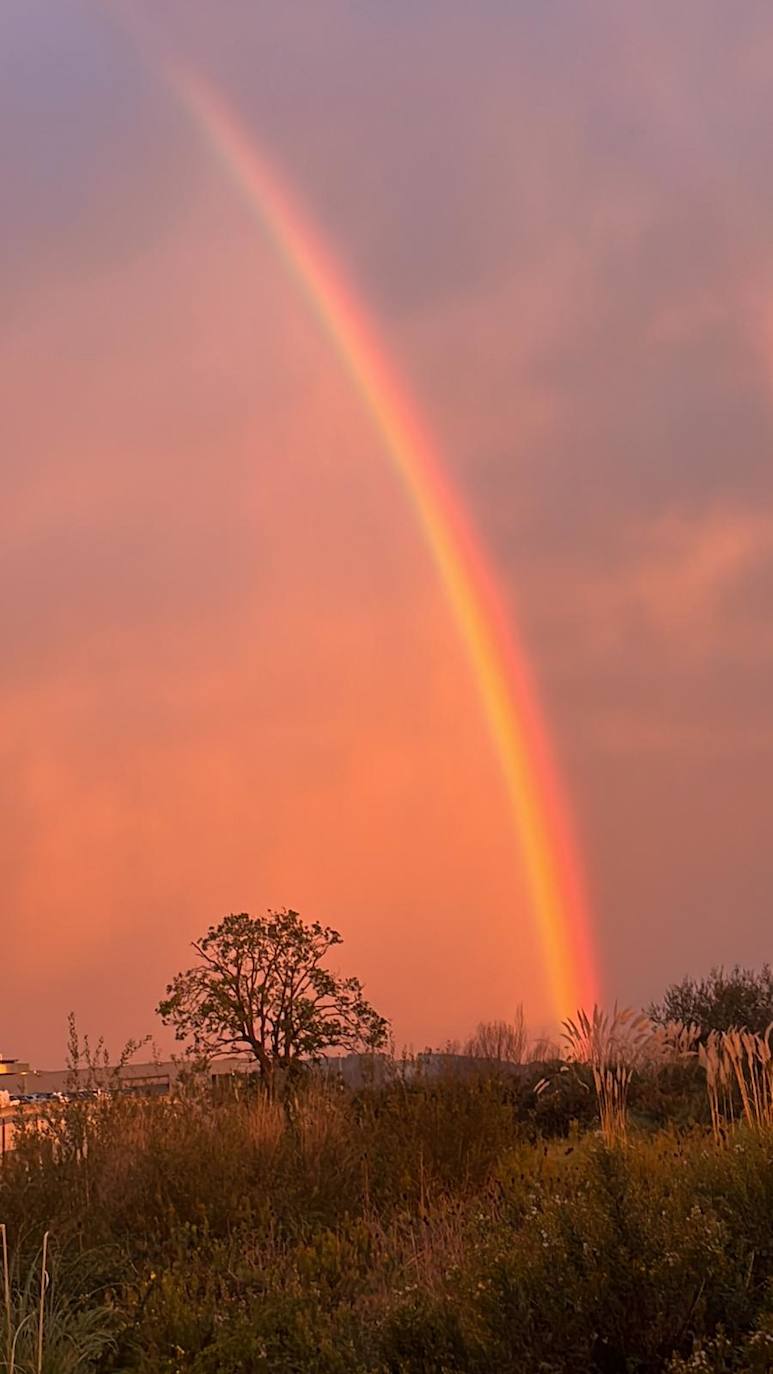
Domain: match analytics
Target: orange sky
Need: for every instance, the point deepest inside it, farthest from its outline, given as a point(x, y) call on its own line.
point(229, 678)
point(249, 691)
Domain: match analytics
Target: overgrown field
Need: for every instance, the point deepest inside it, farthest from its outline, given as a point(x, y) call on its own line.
point(421, 1227)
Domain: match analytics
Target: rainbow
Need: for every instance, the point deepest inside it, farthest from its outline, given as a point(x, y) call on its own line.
point(498, 662)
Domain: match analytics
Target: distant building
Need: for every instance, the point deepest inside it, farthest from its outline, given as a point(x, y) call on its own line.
point(356, 1070)
point(13, 1066)
point(151, 1079)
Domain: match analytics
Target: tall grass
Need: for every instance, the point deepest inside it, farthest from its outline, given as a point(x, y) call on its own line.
point(609, 1045)
point(739, 1071)
point(50, 1326)
point(613, 1047)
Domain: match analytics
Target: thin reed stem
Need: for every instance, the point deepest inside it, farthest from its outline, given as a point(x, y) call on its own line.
point(7, 1298)
point(41, 1311)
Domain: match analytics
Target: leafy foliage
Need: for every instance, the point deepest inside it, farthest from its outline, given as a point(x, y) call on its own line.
point(260, 985)
point(735, 999)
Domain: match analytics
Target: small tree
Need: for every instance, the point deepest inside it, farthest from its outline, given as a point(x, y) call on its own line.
point(502, 1041)
point(259, 985)
point(740, 998)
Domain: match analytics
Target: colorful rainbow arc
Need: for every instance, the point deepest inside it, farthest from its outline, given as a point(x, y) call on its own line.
point(499, 664)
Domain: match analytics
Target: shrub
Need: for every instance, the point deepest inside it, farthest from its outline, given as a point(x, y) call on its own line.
point(734, 999)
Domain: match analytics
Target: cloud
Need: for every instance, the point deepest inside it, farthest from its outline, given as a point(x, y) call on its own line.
point(679, 583)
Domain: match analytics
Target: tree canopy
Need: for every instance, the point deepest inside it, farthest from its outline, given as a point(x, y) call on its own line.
point(260, 985)
point(739, 998)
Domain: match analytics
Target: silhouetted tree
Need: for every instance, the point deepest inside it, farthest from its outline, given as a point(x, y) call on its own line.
point(738, 997)
point(504, 1042)
point(260, 986)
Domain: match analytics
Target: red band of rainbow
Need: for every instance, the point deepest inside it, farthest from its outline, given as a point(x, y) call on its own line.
point(498, 661)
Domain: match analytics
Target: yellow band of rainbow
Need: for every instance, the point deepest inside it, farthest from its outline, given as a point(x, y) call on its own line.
point(498, 662)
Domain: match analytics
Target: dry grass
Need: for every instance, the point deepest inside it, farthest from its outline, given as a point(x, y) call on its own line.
point(739, 1070)
point(318, 1119)
point(609, 1044)
point(266, 1123)
point(615, 1045)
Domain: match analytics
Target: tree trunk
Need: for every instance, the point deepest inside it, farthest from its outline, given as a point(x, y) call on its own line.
point(265, 1064)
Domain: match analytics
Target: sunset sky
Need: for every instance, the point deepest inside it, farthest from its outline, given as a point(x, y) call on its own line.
point(229, 675)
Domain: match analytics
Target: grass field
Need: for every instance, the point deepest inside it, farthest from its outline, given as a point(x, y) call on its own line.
point(482, 1224)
